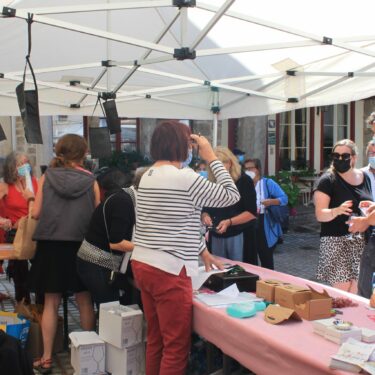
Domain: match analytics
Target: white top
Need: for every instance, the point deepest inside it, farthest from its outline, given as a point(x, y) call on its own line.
point(169, 204)
point(259, 189)
point(370, 173)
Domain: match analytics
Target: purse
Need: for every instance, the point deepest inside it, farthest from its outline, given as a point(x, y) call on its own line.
point(24, 246)
point(116, 279)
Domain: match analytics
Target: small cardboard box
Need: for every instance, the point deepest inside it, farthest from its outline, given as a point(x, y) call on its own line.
point(14, 325)
point(87, 353)
point(320, 326)
point(277, 314)
point(120, 325)
point(314, 305)
point(266, 289)
point(338, 336)
point(289, 295)
point(129, 361)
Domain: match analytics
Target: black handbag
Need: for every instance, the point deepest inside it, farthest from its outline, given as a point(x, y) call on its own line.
point(117, 279)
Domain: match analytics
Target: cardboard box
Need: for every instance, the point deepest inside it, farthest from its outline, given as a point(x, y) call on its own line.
point(120, 325)
point(368, 335)
point(14, 325)
point(289, 295)
point(338, 336)
point(266, 289)
point(277, 314)
point(87, 353)
point(320, 326)
point(314, 305)
point(34, 345)
point(129, 361)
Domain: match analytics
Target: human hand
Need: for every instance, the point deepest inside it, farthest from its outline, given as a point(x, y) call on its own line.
point(206, 220)
point(358, 224)
point(266, 202)
point(343, 209)
point(205, 150)
point(211, 262)
point(5, 224)
point(223, 226)
point(367, 206)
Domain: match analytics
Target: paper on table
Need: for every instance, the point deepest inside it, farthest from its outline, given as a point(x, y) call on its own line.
point(198, 280)
point(355, 352)
point(230, 291)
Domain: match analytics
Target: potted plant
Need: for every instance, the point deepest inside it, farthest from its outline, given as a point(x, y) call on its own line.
point(125, 161)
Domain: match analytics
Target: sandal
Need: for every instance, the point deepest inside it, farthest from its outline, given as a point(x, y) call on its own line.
point(44, 366)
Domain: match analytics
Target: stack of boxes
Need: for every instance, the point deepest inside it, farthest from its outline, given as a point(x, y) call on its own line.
point(122, 339)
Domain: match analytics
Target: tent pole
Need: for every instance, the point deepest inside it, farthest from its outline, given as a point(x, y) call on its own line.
point(214, 130)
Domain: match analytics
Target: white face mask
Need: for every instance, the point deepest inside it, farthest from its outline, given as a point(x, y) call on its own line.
point(250, 174)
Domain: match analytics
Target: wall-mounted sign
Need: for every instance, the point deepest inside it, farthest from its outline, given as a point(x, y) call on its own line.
point(271, 137)
point(271, 124)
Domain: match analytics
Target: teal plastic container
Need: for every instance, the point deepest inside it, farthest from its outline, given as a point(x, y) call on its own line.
point(242, 310)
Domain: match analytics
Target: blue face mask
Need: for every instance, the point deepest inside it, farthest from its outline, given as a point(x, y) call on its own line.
point(371, 161)
point(188, 160)
point(24, 169)
point(203, 174)
point(241, 158)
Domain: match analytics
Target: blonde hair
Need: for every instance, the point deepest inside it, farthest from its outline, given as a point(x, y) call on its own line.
point(344, 142)
point(226, 155)
point(370, 119)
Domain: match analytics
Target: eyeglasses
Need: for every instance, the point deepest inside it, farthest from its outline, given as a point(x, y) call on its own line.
point(337, 156)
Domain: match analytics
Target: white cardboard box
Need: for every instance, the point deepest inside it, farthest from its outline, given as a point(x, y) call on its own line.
point(340, 337)
point(120, 325)
point(87, 353)
point(320, 326)
point(129, 361)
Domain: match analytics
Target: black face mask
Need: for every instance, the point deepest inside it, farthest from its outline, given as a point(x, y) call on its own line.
point(341, 166)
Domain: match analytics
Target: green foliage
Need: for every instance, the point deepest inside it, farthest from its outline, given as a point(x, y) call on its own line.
point(291, 189)
point(125, 161)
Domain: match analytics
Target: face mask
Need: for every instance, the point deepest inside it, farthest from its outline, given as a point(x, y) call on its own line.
point(186, 163)
point(371, 161)
point(250, 174)
point(24, 169)
point(241, 158)
point(203, 174)
point(342, 166)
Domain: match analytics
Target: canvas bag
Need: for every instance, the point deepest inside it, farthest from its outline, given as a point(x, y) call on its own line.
point(24, 246)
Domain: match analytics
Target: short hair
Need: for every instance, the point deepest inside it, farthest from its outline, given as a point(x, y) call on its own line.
point(170, 141)
point(70, 148)
point(225, 155)
point(10, 174)
point(113, 179)
point(371, 118)
point(257, 164)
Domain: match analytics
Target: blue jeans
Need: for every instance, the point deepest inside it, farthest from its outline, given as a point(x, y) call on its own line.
point(96, 279)
point(228, 247)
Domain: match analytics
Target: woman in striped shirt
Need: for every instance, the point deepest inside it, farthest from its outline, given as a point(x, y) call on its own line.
point(168, 240)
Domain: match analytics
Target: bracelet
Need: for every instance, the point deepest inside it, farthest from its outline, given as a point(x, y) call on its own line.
point(230, 222)
point(31, 199)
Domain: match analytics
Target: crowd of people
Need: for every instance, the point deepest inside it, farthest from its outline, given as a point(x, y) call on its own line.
point(165, 218)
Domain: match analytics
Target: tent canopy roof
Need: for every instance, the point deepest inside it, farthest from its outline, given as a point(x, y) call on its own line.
point(250, 59)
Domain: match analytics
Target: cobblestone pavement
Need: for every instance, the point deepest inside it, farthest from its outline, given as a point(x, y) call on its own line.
point(298, 255)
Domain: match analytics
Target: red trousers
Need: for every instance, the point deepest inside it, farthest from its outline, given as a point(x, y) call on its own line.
point(168, 306)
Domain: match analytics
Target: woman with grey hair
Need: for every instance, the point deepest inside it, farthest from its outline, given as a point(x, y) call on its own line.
point(337, 196)
point(16, 198)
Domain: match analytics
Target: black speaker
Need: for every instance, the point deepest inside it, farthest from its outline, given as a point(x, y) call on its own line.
point(29, 108)
point(100, 143)
point(113, 121)
point(2, 134)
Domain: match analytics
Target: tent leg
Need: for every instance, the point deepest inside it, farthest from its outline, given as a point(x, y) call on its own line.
point(214, 130)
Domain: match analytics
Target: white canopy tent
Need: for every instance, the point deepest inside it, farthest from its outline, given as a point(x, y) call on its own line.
point(251, 58)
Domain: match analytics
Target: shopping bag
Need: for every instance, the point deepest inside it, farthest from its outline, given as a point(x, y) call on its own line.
point(24, 246)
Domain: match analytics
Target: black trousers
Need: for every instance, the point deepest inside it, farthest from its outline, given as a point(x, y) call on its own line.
point(250, 254)
point(265, 253)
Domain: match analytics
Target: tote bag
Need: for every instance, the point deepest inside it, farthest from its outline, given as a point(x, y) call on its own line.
point(24, 246)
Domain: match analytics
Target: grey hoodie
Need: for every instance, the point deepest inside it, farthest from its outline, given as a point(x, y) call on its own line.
point(68, 203)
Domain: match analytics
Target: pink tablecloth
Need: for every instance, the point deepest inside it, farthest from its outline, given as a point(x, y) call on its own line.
point(288, 348)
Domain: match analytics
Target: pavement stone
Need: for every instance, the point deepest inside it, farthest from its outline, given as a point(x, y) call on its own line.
point(297, 255)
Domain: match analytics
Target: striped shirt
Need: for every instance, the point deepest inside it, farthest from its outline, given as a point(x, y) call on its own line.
point(169, 204)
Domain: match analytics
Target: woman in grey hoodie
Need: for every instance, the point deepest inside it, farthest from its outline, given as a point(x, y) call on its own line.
point(66, 199)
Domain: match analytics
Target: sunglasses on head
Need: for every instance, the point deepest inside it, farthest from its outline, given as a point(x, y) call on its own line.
point(337, 156)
